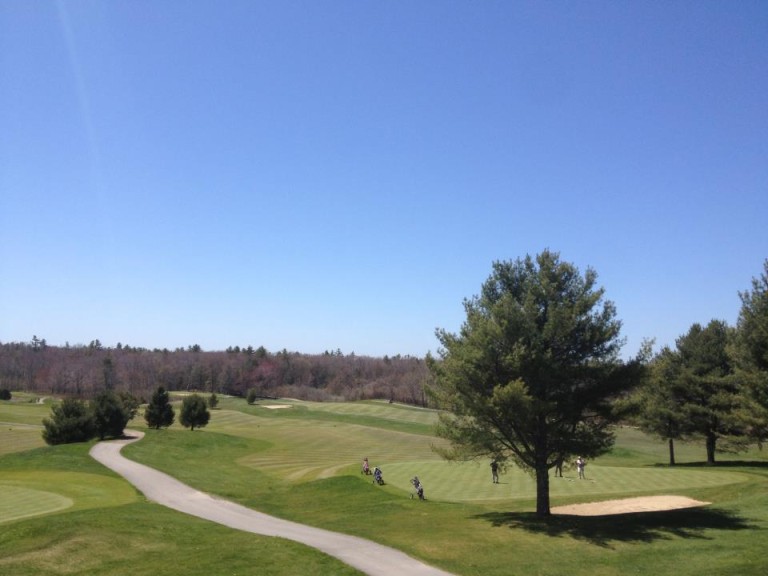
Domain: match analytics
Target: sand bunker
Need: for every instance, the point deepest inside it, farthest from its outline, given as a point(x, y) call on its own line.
point(629, 505)
point(276, 406)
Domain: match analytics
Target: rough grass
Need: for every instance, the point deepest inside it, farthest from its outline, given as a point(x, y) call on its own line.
point(143, 539)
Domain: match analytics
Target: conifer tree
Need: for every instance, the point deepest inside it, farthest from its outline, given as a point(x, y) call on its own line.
point(532, 373)
point(194, 412)
point(159, 412)
point(70, 421)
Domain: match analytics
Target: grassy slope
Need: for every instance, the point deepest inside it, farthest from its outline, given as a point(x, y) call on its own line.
point(143, 539)
point(303, 463)
point(62, 513)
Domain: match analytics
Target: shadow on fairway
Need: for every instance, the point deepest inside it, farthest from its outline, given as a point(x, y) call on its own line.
point(636, 527)
point(725, 464)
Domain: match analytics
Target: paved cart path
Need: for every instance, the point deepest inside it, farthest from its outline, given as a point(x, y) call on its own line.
point(364, 555)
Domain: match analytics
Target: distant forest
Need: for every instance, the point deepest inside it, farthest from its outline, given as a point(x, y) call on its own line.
point(84, 370)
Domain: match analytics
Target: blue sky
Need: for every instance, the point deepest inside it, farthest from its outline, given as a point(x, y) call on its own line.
point(326, 175)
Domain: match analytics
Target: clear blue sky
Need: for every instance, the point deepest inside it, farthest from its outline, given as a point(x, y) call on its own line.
point(341, 174)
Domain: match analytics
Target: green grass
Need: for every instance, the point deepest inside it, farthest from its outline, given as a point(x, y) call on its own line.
point(370, 414)
point(21, 423)
point(143, 539)
point(96, 524)
point(303, 463)
point(21, 502)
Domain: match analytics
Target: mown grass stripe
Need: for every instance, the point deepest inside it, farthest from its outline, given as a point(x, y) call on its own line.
point(304, 449)
point(19, 437)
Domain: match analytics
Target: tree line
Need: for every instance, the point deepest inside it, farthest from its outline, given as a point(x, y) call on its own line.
point(713, 384)
point(83, 371)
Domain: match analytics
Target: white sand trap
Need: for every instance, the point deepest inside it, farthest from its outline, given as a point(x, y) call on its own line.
point(276, 406)
point(629, 505)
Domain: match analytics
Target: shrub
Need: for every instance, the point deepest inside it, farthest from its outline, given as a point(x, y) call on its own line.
point(194, 412)
point(71, 421)
point(110, 414)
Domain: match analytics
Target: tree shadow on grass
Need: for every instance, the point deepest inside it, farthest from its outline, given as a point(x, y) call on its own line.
point(634, 527)
point(724, 464)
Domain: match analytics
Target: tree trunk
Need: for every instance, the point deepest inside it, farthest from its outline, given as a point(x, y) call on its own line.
point(671, 452)
point(542, 489)
point(711, 443)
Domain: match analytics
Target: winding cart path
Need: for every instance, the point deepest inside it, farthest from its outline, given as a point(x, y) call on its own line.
point(364, 555)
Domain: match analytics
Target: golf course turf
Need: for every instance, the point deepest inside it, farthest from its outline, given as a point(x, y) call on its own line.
point(302, 463)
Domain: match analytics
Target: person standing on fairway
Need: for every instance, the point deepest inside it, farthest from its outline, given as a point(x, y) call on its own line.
point(580, 467)
point(495, 471)
point(559, 467)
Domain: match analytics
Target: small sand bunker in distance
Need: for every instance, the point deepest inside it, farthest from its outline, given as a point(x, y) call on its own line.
point(629, 505)
point(276, 406)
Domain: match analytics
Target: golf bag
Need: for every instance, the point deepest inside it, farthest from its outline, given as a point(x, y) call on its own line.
point(417, 485)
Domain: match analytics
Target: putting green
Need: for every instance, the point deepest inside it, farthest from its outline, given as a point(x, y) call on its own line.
point(19, 491)
point(467, 481)
point(17, 502)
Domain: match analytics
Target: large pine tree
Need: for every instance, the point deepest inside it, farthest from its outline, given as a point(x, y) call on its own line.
point(661, 402)
point(705, 380)
point(532, 372)
point(751, 355)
